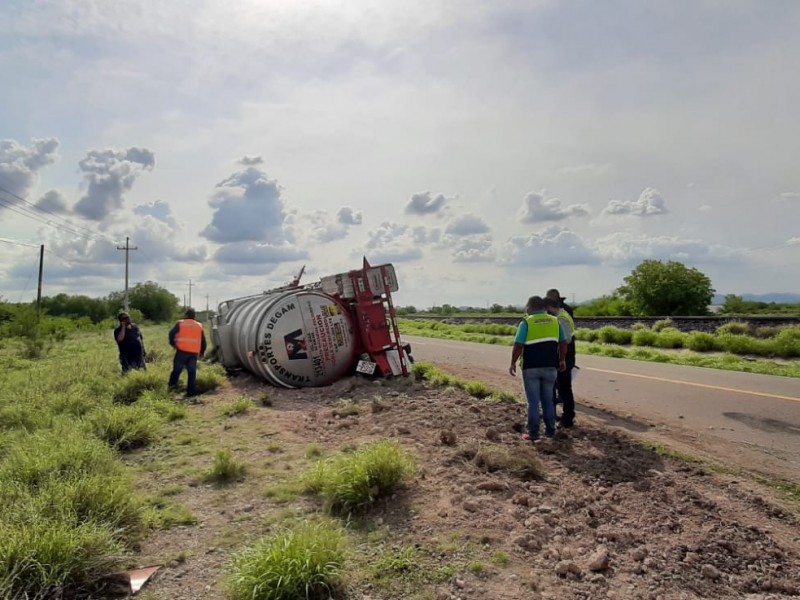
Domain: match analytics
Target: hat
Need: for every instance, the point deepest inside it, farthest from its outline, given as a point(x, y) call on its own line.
point(554, 293)
point(123, 315)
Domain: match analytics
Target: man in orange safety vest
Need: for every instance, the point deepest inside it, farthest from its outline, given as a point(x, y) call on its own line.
point(189, 341)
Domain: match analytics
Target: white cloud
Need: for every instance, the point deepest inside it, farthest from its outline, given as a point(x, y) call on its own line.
point(468, 224)
point(425, 203)
point(157, 209)
point(587, 169)
point(19, 165)
point(625, 248)
point(426, 235)
point(247, 207)
point(250, 161)
point(53, 201)
point(649, 203)
point(252, 253)
point(793, 241)
point(705, 208)
point(473, 249)
point(392, 242)
point(109, 174)
point(789, 196)
point(535, 208)
point(553, 246)
point(348, 216)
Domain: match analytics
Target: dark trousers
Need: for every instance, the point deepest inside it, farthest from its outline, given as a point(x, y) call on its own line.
point(565, 397)
point(184, 360)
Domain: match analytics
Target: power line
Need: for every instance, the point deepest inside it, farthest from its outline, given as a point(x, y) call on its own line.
point(17, 243)
point(25, 212)
point(72, 227)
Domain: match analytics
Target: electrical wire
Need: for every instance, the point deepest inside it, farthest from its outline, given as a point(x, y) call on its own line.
point(59, 222)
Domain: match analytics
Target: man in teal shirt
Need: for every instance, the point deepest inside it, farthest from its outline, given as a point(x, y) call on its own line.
point(542, 344)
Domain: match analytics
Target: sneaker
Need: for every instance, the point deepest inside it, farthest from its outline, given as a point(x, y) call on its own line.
point(528, 438)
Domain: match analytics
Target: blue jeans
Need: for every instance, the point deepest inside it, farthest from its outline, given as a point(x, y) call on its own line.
point(539, 383)
point(184, 360)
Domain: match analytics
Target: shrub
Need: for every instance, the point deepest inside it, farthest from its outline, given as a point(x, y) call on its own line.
point(582, 334)
point(639, 326)
point(477, 389)
point(42, 558)
point(734, 328)
point(356, 480)
point(164, 406)
point(32, 458)
point(125, 427)
point(304, 561)
point(662, 324)
point(787, 344)
point(99, 498)
point(766, 331)
point(238, 407)
point(614, 335)
point(743, 344)
point(700, 342)
point(225, 469)
point(644, 337)
point(591, 335)
point(135, 383)
point(669, 337)
point(210, 378)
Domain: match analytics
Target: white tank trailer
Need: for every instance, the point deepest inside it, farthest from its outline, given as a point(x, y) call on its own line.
point(312, 335)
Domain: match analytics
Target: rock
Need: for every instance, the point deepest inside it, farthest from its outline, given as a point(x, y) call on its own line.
point(565, 567)
point(448, 437)
point(471, 506)
point(460, 583)
point(709, 572)
point(492, 434)
point(492, 486)
point(599, 560)
point(402, 430)
point(639, 554)
point(520, 499)
point(546, 509)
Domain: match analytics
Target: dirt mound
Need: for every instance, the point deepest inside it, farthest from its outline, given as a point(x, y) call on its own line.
point(591, 515)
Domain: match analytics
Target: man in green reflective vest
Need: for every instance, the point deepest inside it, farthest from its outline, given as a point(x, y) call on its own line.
point(542, 344)
point(558, 309)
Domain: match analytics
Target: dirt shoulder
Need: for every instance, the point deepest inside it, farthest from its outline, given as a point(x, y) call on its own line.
point(610, 518)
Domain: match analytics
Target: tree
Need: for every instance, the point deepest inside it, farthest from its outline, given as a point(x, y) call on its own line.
point(155, 302)
point(655, 288)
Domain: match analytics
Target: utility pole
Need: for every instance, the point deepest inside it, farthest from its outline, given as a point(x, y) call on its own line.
point(127, 247)
point(573, 298)
point(190, 293)
point(208, 318)
point(41, 272)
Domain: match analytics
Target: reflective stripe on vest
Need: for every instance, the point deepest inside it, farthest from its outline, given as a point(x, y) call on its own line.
point(541, 342)
point(541, 328)
point(190, 336)
point(563, 314)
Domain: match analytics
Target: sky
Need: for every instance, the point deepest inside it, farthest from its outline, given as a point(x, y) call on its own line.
point(489, 150)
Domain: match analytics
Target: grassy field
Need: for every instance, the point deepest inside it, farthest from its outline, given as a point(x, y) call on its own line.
point(734, 348)
point(72, 513)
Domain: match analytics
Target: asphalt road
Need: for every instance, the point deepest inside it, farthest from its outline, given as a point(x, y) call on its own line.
point(739, 417)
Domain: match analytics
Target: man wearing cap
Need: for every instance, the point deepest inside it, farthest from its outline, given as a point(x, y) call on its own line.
point(130, 343)
point(541, 344)
point(189, 341)
point(559, 309)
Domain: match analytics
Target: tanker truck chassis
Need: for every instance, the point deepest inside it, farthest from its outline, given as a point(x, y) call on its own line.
point(312, 335)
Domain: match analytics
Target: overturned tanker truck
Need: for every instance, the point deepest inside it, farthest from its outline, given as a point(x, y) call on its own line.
point(312, 335)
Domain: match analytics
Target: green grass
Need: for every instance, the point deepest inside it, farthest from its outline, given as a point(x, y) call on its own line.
point(226, 469)
point(125, 427)
point(239, 406)
point(305, 560)
point(355, 480)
